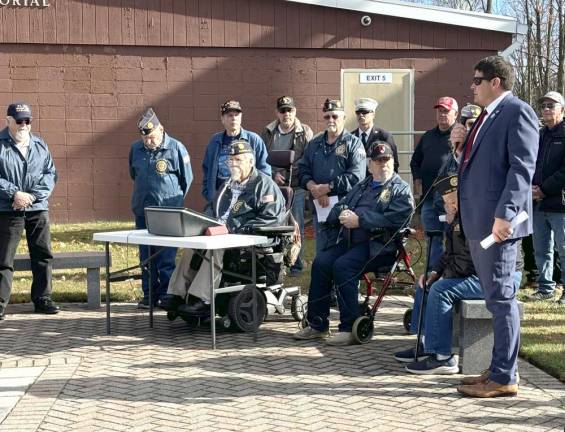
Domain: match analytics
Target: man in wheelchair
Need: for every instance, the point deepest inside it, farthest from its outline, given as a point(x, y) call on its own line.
point(359, 230)
point(248, 201)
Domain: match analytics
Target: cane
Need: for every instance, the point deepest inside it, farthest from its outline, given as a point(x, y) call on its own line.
point(430, 235)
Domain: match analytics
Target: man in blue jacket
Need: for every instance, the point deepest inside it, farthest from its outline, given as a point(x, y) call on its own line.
point(333, 162)
point(27, 179)
point(159, 166)
point(215, 163)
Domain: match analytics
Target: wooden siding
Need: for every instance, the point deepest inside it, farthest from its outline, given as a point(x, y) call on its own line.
point(227, 23)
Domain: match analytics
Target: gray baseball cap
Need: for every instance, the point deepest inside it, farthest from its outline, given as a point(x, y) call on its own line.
point(554, 96)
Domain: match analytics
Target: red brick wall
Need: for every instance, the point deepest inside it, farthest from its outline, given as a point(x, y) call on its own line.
point(86, 101)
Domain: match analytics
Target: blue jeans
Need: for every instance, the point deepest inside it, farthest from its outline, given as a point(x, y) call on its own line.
point(438, 319)
point(162, 266)
point(430, 222)
point(549, 232)
point(340, 266)
point(298, 214)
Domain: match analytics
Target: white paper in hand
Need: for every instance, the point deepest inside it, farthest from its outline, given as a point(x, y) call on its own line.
point(489, 241)
point(322, 213)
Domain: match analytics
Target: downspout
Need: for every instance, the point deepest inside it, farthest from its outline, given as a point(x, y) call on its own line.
point(518, 37)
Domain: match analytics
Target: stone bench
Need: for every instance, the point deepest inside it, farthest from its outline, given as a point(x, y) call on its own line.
point(92, 261)
point(473, 334)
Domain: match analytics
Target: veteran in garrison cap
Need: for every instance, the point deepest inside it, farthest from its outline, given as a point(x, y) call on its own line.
point(214, 164)
point(367, 131)
point(160, 168)
point(248, 200)
point(333, 162)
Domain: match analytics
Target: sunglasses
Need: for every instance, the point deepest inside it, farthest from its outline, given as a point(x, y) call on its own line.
point(478, 80)
point(331, 116)
point(285, 110)
point(26, 121)
point(549, 105)
point(361, 112)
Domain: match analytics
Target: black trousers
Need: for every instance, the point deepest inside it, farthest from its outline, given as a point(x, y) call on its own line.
point(38, 235)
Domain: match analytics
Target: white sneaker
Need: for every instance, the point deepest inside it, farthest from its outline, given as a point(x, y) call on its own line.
point(341, 339)
point(309, 333)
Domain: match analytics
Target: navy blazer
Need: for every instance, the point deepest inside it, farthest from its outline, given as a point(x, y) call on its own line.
point(497, 180)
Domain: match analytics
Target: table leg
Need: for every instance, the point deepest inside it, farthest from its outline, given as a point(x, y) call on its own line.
point(212, 301)
point(150, 276)
point(255, 313)
point(107, 251)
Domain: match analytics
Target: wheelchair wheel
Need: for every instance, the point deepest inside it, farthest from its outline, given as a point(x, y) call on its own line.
point(171, 316)
point(407, 319)
point(299, 307)
point(363, 329)
point(241, 313)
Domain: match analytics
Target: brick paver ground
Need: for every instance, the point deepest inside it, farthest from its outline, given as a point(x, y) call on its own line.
point(168, 379)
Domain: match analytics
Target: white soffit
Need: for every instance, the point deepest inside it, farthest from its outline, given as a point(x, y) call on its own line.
point(436, 14)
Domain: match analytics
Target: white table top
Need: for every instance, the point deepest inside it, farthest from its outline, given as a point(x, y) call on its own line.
point(142, 237)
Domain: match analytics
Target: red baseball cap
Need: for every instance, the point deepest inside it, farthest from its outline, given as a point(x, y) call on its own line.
point(447, 103)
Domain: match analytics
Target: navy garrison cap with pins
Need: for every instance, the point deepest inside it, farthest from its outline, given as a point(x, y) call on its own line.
point(446, 184)
point(332, 105)
point(148, 122)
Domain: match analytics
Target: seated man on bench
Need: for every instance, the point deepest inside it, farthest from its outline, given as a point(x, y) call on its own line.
point(452, 279)
point(249, 200)
point(359, 230)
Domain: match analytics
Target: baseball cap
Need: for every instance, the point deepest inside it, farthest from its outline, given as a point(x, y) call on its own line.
point(447, 103)
point(19, 110)
point(285, 102)
point(231, 105)
point(554, 96)
point(380, 149)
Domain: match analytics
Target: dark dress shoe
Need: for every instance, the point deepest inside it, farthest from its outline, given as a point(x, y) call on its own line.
point(45, 305)
point(488, 389)
point(197, 308)
point(171, 302)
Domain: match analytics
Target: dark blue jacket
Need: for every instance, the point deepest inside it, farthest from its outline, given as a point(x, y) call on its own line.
point(210, 161)
point(392, 210)
point(161, 177)
point(35, 174)
point(341, 164)
point(550, 169)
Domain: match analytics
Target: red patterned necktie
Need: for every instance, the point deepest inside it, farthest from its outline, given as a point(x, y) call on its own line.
point(471, 139)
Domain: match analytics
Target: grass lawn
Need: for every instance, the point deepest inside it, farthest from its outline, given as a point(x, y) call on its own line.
point(543, 328)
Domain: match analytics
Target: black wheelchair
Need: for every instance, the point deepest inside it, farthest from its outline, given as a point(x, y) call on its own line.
point(243, 305)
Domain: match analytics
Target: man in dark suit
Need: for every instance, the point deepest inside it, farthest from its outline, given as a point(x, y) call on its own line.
point(367, 132)
point(495, 185)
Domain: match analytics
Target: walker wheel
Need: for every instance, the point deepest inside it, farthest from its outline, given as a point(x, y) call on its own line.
point(363, 329)
point(171, 316)
point(299, 307)
point(407, 319)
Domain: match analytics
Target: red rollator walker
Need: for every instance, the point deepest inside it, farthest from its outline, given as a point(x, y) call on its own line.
point(363, 327)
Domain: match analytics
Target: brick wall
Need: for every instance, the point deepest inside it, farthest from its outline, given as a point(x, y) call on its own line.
point(86, 101)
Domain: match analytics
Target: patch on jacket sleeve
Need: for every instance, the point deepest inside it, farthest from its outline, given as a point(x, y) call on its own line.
point(186, 159)
point(268, 198)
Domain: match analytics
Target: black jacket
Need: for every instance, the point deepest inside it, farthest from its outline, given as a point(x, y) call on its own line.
point(378, 134)
point(260, 204)
point(429, 155)
point(456, 261)
point(550, 169)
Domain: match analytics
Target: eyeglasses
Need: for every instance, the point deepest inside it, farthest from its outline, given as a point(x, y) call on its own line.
point(22, 121)
point(331, 116)
point(285, 110)
point(362, 112)
point(549, 105)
